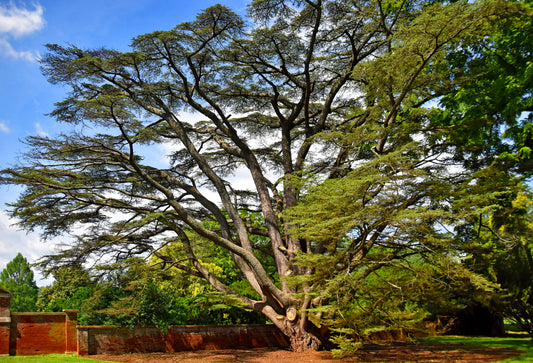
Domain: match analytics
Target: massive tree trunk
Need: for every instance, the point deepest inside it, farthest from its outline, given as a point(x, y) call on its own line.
point(301, 340)
point(302, 334)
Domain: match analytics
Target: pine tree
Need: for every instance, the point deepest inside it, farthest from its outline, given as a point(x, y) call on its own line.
point(18, 278)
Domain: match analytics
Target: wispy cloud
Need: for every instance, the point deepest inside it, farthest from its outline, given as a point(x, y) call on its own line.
point(29, 245)
point(4, 128)
point(6, 50)
point(16, 22)
point(40, 131)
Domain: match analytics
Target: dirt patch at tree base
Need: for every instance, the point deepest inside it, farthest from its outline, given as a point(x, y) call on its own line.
point(393, 352)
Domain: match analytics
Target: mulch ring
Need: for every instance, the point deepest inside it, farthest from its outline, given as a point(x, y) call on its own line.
point(391, 352)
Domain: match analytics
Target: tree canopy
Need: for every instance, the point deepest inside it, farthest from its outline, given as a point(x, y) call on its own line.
point(329, 108)
point(17, 278)
point(71, 286)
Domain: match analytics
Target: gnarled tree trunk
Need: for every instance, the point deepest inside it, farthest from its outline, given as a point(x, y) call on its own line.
point(302, 334)
point(302, 340)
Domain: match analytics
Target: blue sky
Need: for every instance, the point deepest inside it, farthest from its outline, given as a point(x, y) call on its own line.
point(25, 95)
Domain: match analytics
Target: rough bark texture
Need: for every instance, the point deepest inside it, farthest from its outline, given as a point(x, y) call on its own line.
point(301, 340)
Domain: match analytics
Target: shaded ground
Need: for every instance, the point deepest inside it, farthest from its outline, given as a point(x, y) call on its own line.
point(393, 352)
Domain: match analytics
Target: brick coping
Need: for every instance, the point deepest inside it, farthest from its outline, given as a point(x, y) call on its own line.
point(47, 313)
point(173, 326)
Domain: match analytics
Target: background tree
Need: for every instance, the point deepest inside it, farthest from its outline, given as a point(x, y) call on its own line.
point(493, 137)
point(72, 286)
point(328, 93)
point(146, 295)
point(17, 278)
point(500, 249)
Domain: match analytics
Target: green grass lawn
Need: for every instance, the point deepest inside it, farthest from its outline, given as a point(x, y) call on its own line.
point(516, 341)
point(50, 358)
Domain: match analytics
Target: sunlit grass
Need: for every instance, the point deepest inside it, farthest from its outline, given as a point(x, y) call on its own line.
point(520, 341)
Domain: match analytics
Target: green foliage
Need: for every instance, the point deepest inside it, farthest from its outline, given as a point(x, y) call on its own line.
point(493, 137)
point(494, 105)
point(345, 342)
point(146, 295)
point(373, 131)
point(504, 255)
point(17, 278)
point(94, 309)
point(416, 184)
point(72, 286)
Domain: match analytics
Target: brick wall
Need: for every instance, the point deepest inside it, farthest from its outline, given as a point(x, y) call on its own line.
point(42, 333)
point(116, 340)
point(36, 333)
point(47, 333)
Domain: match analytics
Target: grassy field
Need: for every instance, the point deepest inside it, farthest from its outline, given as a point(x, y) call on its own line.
point(50, 358)
point(516, 341)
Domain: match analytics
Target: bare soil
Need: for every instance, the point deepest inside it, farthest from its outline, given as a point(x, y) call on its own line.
point(391, 352)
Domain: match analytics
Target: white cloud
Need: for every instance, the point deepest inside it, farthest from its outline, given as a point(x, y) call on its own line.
point(7, 51)
point(29, 245)
point(19, 21)
point(4, 128)
point(40, 131)
point(15, 22)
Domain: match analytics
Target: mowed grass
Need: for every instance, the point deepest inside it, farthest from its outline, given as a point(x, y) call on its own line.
point(519, 341)
point(50, 358)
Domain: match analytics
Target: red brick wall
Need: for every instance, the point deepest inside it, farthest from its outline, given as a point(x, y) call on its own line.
point(71, 331)
point(115, 340)
point(46, 333)
point(42, 333)
point(4, 337)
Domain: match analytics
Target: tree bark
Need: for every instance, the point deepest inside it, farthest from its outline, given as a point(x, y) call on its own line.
point(302, 339)
point(302, 334)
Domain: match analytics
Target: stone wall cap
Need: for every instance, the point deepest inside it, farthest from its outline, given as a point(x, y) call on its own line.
point(47, 313)
point(4, 291)
point(85, 327)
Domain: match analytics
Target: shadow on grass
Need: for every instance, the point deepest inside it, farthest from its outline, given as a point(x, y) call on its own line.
point(518, 341)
